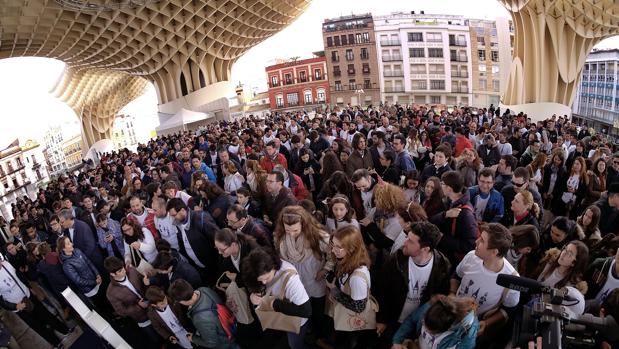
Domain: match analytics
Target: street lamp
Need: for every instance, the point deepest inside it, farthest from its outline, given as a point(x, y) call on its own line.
point(359, 92)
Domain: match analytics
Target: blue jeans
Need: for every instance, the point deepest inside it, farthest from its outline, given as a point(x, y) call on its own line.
point(296, 341)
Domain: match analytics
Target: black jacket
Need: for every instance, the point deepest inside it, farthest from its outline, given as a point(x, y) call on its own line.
point(201, 237)
point(610, 221)
point(247, 245)
point(431, 171)
point(180, 270)
point(458, 236)
point(489, 156)
point(391, 287)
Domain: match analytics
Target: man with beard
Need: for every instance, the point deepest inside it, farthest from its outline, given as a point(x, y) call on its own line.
point(410, 277)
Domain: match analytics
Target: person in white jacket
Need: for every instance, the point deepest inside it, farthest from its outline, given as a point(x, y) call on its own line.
point(139, 242)
point(233, 180)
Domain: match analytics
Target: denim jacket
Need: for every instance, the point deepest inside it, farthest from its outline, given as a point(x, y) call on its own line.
point(462, 336)
point(113, 228)
point(495, 208)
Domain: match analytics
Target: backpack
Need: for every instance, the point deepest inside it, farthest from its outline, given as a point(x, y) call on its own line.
point(225, 316)
point(460, 255)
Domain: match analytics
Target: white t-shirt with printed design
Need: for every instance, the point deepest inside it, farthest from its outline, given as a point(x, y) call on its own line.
point(480, 283)
point(418, 277)
point(611, 283)
point(430, 341)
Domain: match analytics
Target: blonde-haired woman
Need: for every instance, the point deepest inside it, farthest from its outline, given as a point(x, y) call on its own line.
point(525, 210)
point(388, 199)
point(303, 242)
point(233, 180)
point(351, 285)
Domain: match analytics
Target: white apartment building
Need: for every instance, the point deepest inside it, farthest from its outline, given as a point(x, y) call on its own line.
point(53, 139)
point(124, 132)
point(424, 59)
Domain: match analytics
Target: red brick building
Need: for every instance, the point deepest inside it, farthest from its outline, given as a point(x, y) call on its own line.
point(300, 84)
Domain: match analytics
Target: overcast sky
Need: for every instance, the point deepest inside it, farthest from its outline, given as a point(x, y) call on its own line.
point(27, 109)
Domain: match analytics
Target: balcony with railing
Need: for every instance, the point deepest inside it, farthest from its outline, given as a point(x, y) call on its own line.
point(392, 89)
point(392, 58)
point(354, 87)
point(365, 70)
point(459, 74)
point(337, 73)
point(12, 170)
point(460, 90)
point(458, 59)
point(390, 42)
point(457, 43)
point(351, 71)
point(393, 73)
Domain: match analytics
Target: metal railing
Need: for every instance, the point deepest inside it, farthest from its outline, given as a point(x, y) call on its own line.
point(391, 58)
point(390, 43)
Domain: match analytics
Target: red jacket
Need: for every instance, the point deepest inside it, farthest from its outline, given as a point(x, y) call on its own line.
point(149, 223)
point(268, 165)
point(298, 190)
point(462, 142)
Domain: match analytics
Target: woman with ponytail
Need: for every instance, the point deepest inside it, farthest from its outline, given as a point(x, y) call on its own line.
point(525, 210)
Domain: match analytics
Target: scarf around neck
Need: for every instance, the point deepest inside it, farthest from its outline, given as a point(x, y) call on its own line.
point(293, 249)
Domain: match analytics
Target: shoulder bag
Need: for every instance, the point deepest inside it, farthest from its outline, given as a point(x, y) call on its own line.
point(346, 319)
point(273, 319)
point(236, 298)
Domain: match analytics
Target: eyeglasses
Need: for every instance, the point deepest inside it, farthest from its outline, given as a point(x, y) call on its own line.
point(518, 184)
point(336, 248)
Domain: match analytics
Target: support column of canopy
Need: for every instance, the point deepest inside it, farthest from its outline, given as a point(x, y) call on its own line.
point(96, 97)
point(552, 41)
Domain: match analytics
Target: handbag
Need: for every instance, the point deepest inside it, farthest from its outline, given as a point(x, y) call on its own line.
point(347, 320)
point(236, 298)
point(142, 266)
point(274, 319)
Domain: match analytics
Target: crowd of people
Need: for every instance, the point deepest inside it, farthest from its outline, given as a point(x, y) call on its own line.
point(377, 227)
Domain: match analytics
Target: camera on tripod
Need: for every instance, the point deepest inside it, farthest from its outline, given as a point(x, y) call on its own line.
point(550, 316)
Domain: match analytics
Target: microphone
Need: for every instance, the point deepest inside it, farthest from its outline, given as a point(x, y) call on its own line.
point(518, 283)
point(529, 286)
